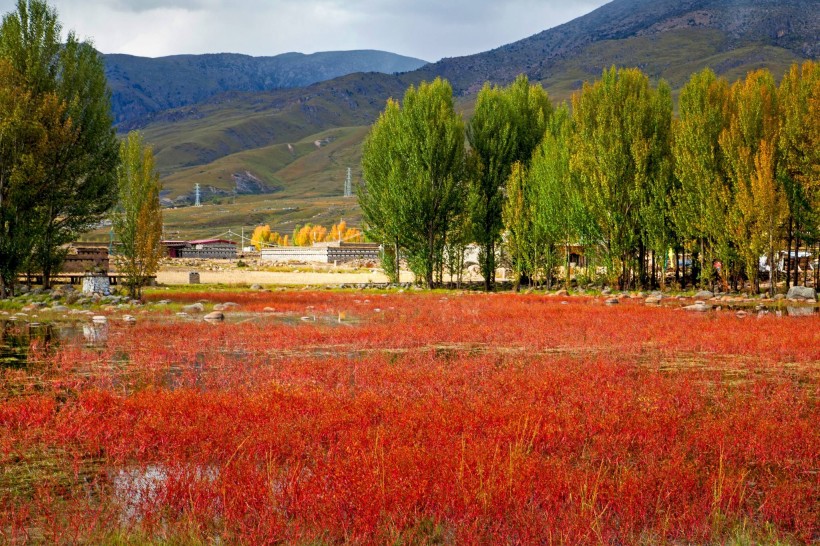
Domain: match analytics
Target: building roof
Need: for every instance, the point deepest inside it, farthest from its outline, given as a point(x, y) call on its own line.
point(211, 242)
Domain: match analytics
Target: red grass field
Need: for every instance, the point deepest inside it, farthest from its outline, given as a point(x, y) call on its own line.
point(363, 418)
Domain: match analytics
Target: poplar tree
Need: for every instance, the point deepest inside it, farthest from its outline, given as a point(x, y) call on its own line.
point(414, 164)
point(137, 218)
point(749, 145)
point(799, 166)
point(703, 194)
point(558, 219)
point(507, 126)
point(618, 155)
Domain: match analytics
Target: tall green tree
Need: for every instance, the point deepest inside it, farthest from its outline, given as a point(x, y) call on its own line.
point(799, 145)
point(507, 126)
point(79, 164)
point(381, 195)
point(558, 219)
point(517, 213)
point(618, 154)
point(137, 218)
point(414, 164)
point(749, 144)
point(703, 195)
point(20, 135)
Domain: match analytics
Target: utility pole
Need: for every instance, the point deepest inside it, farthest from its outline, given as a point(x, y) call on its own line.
point(349, 183)
point(198, 202)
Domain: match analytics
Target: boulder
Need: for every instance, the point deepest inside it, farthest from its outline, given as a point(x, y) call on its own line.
point(802, 293)
point(652, 300)
point(216, 316)
point(194, 308)
point(612, 301)
point(704, 295)
point(128, 319)
point(699, 306)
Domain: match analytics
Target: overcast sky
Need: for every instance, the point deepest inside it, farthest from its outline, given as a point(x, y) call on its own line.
point(428, 29)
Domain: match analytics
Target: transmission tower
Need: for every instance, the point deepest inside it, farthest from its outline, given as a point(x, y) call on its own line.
point(349, 184)
point(198, 202)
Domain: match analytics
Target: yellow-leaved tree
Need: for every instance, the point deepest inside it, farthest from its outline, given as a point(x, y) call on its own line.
point(749, 145)
point(137, 218)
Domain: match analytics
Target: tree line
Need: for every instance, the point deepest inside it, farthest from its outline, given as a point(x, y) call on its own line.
point(306, 235)
point(62, 168)
point(732, 176)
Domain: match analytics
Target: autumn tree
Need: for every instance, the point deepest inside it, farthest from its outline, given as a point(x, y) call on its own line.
point(413, 166)
point(700, 202)
point(80, 155)
point(558, 218)
point(618, 146)
point(799, 166)
point(517, 213)
point(137, 218)
point(507, 126)
point(749, 145)
point(21, 134)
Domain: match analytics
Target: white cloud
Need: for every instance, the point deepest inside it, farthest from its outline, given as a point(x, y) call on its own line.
point(429, 29)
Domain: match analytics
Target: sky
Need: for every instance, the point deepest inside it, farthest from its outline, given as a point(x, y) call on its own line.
point(427, 29)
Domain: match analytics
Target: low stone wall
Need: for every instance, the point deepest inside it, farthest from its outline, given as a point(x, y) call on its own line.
point(324, 253)
point(96, 284)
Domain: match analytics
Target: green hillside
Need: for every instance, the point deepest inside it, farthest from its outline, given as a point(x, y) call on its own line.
point(272, 135)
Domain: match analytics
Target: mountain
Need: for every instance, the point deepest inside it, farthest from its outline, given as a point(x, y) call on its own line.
point(791, 26)
point(271, 134)
point(141, 86)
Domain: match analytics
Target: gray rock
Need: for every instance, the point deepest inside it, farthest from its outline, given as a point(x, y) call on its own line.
point(219, 307)
point(256, 287)
point(778, 297)
point(612, 301)
point(128, 319)
point(741, 314)
point(194, 308)
point(805, 311)
point(215, 316)
point(704, 295)
point(699, 306)
point(802, 292)
point(651, 300)
point(59, 308)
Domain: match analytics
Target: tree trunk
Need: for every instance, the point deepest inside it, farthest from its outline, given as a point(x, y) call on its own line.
point(396, 264)
point(796, 259)
point(788, 254)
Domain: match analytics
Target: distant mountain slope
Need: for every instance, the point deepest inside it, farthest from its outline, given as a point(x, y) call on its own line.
point(208, 143)
point(791, 25)
point(141, 86)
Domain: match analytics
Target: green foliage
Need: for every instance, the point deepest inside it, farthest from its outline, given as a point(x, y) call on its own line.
point(413, 166)
point(701, 198)
point(619, 154)
point(507, 126)
point(137, 219)
point(79, 156)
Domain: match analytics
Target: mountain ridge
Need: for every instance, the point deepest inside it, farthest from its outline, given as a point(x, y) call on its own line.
point(251, 131)
point(141, 86)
